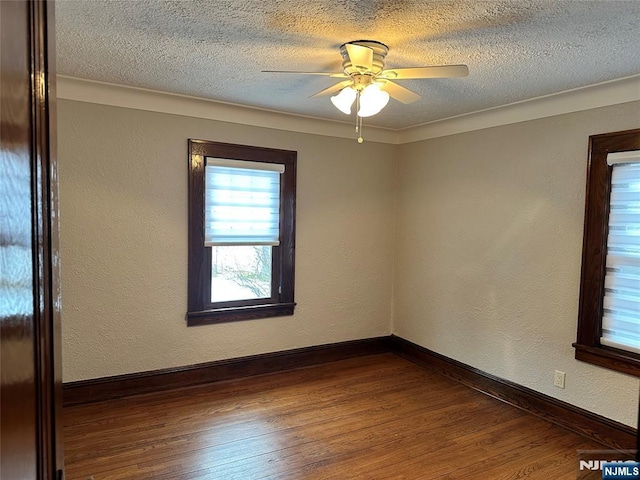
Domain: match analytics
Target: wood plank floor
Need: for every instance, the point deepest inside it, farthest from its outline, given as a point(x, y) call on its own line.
point(376, 417)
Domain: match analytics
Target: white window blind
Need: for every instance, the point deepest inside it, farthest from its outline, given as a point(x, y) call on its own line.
point(621, 313)
point(242, 202)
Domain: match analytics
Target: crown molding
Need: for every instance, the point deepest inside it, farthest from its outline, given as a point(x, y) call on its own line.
point(604, 94)
point(71, 88)
point(585, 98)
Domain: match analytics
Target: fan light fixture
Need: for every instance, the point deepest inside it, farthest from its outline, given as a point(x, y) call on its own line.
point(371, 100)
point(369, 97)
point(345, 99)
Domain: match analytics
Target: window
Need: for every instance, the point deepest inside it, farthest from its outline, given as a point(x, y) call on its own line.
point(609, 310)
point(241, 232)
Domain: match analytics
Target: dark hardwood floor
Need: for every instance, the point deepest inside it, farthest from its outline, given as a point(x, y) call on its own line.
point(375, 417)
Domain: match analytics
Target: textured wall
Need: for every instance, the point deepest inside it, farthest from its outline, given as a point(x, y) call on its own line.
point(487, 247)
point(123, 192)
point(489, 241)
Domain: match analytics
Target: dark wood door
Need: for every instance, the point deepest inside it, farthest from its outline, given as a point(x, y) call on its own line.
point(30, 380)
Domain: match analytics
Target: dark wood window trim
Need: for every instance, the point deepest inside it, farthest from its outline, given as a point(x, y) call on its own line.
point(200, 309)
point(587, 346)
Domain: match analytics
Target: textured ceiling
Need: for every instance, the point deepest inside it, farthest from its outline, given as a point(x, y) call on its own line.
point(515, 49)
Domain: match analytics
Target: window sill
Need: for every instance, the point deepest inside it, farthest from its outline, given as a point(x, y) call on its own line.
point(234, 314)
point(612, 358)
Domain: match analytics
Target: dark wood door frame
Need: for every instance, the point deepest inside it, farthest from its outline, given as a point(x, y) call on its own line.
point(31, 381)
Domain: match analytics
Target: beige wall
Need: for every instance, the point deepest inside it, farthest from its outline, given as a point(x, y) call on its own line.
point(123, 193)
point(488, 238)
point(488, 253)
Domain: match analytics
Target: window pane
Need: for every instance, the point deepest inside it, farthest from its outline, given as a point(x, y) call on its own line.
point(621, 318)
point(240, 273)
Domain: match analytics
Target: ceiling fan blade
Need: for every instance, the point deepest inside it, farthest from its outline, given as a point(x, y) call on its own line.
point(325, 74)
point(332, 89)
point(442, 71)
point(402, 94)
point(361, 57)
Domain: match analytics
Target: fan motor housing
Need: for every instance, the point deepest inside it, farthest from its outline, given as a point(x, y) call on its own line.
point(380, 51)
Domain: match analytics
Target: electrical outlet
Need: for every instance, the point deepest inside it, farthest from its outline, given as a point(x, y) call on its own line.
point(558, 379)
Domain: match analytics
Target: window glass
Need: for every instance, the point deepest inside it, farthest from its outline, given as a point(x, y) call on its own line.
point(621, 305)
point(241, 273)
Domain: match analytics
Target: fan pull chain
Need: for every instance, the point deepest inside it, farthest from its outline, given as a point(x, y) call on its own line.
point(358, 119)
point(357, 108)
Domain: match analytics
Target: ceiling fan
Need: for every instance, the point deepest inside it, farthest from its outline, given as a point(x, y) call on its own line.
point(369, 84)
